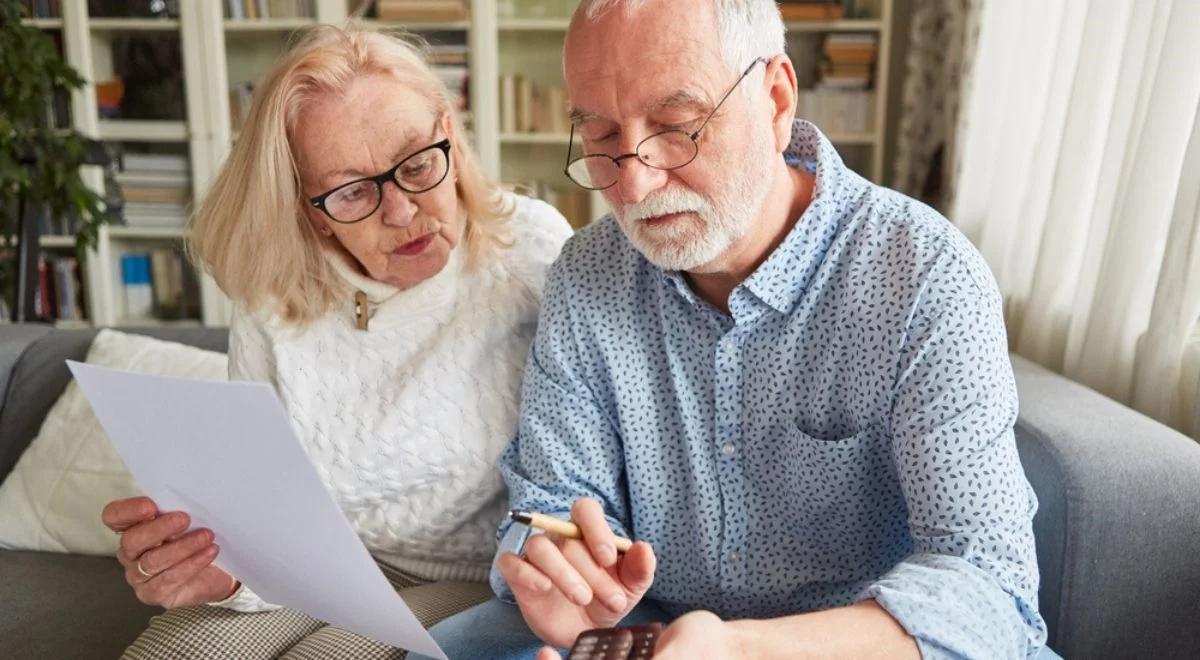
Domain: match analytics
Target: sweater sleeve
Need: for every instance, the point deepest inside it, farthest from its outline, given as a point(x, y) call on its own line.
point(250, 358)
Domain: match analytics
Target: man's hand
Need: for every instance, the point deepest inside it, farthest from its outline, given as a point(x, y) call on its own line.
point(565, 586)
point(699, 634)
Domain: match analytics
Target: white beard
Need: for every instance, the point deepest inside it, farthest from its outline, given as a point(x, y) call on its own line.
point(710, 226)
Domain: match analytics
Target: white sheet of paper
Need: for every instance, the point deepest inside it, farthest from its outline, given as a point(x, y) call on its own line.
point(226, 453)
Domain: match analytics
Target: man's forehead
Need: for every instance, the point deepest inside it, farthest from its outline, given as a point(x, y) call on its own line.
point(668, 82)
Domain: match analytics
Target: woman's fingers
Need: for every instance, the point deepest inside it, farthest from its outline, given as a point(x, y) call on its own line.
point(120, 515)
point(547, 558)
point(588, 515)
point(162, 588)
point(161, 559)
point(142, 537)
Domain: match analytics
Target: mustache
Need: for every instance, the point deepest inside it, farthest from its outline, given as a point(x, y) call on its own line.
point(667, 202)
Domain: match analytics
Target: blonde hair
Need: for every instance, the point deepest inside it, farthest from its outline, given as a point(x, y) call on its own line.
point(255, 200)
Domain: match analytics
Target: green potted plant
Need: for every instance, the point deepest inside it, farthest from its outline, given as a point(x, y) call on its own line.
point(39, 164)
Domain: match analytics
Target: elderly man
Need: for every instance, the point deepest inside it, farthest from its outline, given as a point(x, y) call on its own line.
point(789, 385)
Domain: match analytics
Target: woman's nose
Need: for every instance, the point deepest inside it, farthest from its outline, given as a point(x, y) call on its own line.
point(397, 208)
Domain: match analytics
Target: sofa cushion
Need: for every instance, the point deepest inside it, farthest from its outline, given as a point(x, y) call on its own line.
point(40, 375)
point(67, 606)
point(52, 499)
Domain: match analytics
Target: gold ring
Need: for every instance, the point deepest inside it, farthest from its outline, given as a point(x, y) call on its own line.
point(138, 565)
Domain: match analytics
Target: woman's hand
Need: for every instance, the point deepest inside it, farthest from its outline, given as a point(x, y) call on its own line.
point(165, 566)
point(564, 586)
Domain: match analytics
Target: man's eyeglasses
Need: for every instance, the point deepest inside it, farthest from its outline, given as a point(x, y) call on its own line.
point(667, 150)
point(354, 201)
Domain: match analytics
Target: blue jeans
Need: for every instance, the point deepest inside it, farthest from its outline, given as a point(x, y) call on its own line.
point(495, 630)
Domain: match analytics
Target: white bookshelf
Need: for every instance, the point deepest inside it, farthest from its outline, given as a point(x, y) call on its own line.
point(218, 51)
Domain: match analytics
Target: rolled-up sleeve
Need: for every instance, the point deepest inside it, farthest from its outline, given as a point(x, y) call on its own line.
point(969, 588)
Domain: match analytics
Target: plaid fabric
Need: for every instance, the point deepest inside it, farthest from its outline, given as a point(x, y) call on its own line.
point(213, 633)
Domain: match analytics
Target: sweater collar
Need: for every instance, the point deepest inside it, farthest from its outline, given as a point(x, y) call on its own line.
point(389, 303)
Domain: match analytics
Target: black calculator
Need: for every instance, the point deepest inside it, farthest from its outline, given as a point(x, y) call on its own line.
point(625, 643)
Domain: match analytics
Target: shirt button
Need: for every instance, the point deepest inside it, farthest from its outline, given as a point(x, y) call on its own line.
point(727, 345)
point(728, 448)
point(735, 556)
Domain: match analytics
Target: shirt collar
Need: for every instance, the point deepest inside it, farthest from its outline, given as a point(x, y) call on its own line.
point(783, 278)
point(785, 275)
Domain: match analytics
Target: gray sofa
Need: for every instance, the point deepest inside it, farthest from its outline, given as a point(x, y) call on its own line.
point(1118, 529)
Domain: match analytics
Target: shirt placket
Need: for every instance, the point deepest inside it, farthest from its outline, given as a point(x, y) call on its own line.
point(728, 447)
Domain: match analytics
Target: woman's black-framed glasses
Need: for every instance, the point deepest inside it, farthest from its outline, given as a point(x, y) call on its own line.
point(667, 150)
point(417, 173)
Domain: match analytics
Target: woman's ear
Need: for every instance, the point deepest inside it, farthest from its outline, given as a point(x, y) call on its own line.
point(319, 223)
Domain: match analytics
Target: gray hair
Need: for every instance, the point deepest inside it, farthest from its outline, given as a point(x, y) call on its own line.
point(748, 28)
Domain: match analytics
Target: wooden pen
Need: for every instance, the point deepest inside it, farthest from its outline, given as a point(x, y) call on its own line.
point(563, 528)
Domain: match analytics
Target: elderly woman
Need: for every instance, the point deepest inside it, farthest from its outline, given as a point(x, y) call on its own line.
point(389, 294)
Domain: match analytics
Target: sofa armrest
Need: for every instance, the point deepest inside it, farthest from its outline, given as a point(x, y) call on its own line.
point(1118, 528)
point(14, 339)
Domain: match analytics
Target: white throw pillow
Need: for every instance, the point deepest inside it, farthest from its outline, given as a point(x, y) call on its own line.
point(52, 499)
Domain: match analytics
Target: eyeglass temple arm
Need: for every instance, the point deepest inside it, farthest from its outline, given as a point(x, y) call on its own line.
point(696, 133)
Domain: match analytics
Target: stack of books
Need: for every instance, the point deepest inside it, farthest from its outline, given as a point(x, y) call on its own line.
point(526, 107)
point(417, 11)
point(811, 10)
point(849, 60)
point(265, 9)
point(449, 62)
point(156, 188)
point(842, 101)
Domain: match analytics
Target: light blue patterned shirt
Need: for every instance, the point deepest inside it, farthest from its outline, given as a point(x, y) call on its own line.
point(844, 434)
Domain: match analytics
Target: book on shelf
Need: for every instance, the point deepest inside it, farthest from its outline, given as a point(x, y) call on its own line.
point(455, 78)
point(159, 284)
point(267, 9)
point(241, 96)
point(447, 54)
point(42, 8)
point(133, 161)
point(811, 10)
point(418, 11)
point(570, 200)
point(851, 48)
point(526, 107)
point(59, 295)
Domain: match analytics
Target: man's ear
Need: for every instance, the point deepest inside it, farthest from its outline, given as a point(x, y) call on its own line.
point(780, 79)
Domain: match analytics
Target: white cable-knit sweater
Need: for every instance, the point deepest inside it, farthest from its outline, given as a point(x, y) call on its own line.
point(404, 421)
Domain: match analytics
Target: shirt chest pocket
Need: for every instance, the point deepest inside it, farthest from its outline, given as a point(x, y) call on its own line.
point(824, 482)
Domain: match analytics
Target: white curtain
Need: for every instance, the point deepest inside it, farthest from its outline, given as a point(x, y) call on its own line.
point(1078, 177)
